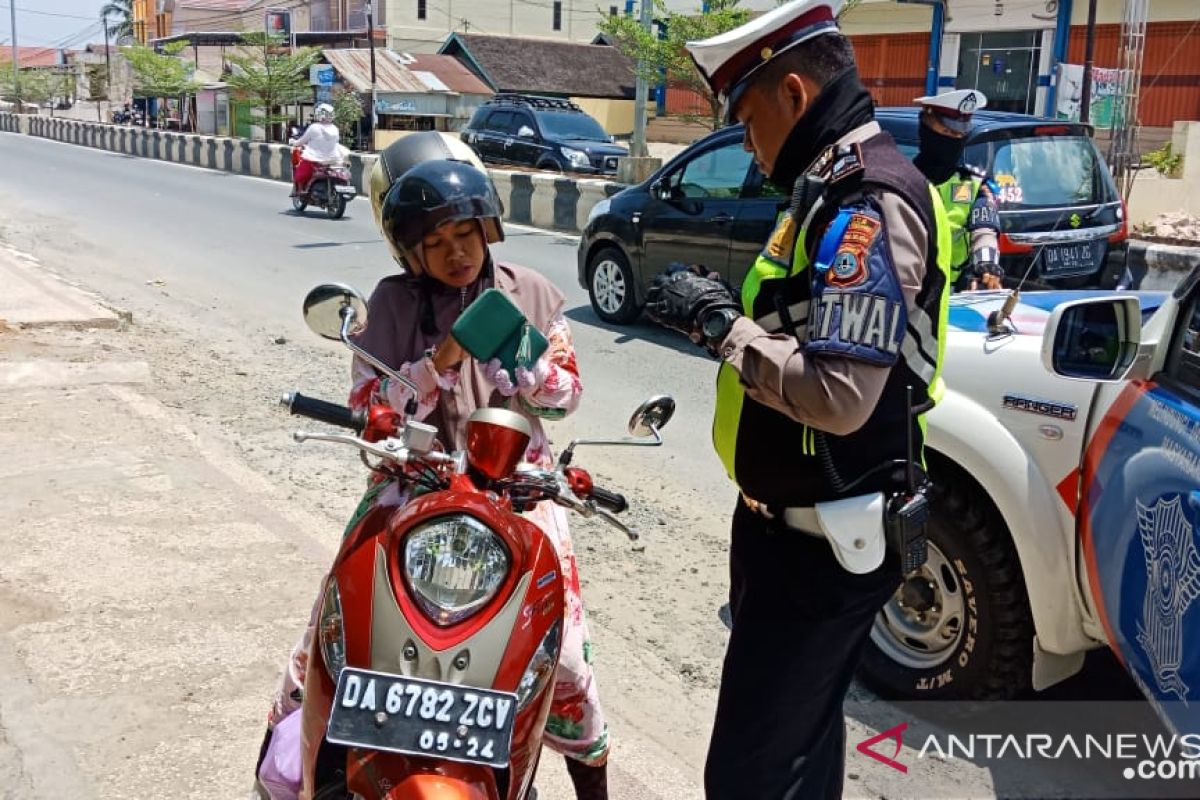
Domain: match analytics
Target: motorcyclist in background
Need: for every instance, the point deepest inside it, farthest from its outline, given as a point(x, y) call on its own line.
point(321, 143)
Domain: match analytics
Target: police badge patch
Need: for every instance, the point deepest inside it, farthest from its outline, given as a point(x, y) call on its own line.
point(849, 266)
point(782, 242)
point(962, 193)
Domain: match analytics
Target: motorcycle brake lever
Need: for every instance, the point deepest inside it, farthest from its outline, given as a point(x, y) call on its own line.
point(612, 519)
point(388, 449)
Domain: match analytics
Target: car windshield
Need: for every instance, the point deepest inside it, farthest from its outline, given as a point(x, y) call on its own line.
point(571, 126)
point(1043, 172)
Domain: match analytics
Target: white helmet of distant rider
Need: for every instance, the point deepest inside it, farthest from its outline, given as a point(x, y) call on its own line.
point(324, 113)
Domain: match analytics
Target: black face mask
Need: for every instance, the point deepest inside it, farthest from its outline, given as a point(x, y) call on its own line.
point(840, 107)
point(939, 155)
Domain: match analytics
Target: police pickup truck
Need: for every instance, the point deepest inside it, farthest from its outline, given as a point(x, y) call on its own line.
point(1066, 452)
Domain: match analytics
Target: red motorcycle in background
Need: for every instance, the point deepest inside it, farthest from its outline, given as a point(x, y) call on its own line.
point(431, 673)
point(331, 188)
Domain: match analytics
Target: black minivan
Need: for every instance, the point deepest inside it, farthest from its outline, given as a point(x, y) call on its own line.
point(1062, 220)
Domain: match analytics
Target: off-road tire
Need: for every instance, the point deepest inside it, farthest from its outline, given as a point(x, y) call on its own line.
point(996, 662)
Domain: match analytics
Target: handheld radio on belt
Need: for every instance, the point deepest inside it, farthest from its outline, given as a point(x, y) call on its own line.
point(908, 511)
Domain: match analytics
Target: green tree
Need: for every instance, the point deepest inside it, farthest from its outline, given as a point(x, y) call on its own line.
point(668, 56)
point(347, 111)
point(160, 74)
point(267, 74)
point(118, 16)
point(37, 85)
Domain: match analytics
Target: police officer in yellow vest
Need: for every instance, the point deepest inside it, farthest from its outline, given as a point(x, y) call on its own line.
point(970, 200)
point(839, 323)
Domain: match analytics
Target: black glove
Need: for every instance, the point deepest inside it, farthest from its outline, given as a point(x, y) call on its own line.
point(988, 273)
point(678, 299)
point(702, 271)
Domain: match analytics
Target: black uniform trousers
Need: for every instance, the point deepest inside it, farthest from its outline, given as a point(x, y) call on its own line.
point(800, 623)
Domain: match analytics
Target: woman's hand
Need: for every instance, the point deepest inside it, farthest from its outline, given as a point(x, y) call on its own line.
point(499, 377)
point(449, 355)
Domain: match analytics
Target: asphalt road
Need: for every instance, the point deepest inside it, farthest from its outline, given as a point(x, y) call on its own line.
point(232, 248)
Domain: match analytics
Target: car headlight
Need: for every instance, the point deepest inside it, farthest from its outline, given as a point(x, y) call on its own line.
point(330, 632)
point(455, 565)
point(578, 158)
point(598, 209)
point(541, 666)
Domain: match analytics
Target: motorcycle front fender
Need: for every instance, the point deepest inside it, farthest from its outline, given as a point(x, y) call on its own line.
point(421, 781)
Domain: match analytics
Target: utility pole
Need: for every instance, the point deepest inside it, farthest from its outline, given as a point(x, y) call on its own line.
point(638, 149)
point(1085, 102)
point(12, 7)
point(371, 37)
point(107, 68)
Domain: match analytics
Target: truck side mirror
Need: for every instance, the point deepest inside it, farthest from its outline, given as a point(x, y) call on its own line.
point(1094, 339)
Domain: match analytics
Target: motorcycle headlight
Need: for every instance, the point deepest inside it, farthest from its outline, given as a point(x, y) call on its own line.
point(541, 666)
point(578, 158)
point(330, 632)
point(455, 566)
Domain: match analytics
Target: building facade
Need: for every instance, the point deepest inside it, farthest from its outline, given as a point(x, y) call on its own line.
point(158, 19)
point(421, 26)
point(1010, 50)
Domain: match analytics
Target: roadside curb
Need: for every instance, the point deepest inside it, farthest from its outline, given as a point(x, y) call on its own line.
point(35, 298)
point(1161, 266)
point(544, 200)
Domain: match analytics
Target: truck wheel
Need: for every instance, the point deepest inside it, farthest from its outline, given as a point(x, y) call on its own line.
point(959, 628)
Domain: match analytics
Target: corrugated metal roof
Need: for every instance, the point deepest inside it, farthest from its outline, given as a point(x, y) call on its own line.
point(33, 56)
point(450, 71)
point(431, 80)
point(546, 66)
point(355, 68)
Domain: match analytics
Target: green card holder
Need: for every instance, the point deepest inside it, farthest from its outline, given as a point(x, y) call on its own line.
point(493, 327)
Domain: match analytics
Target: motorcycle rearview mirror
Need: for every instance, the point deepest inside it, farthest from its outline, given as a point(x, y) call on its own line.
point(336, 311)
point(651, 416)
point(646, 422)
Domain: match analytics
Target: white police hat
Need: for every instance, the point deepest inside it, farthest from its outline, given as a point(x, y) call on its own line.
point(955, 104)
point(728, 61)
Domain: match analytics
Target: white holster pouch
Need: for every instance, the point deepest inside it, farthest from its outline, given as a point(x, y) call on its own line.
point(854, 527)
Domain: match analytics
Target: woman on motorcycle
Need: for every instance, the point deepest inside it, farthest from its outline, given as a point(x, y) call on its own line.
point(438, 217)
point(321, 146)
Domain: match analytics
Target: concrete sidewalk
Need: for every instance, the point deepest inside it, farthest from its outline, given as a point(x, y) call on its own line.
point(140, 633)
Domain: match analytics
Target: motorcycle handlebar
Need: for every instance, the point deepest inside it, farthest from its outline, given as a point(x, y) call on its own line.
point(612, 501)
point(324, 411)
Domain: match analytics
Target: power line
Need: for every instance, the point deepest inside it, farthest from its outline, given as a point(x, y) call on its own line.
point(65, 42)
point(44, 13)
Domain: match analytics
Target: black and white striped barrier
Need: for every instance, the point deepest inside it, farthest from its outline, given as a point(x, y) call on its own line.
point(550, 201)
point(1160, 267)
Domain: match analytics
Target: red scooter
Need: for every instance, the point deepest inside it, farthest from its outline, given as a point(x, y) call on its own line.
point(331, 188)
point(431, 673)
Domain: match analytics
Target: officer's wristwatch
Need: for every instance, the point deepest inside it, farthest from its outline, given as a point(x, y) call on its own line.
point(715, 325)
